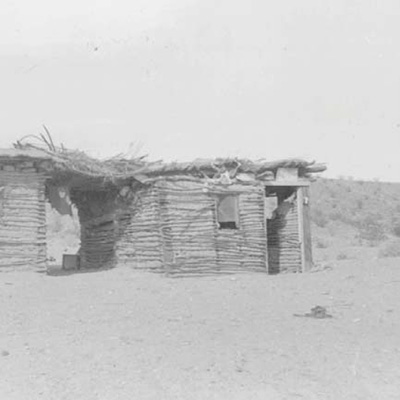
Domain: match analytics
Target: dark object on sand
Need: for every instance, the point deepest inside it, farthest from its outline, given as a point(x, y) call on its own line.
point(316, 312)
point(71, 262)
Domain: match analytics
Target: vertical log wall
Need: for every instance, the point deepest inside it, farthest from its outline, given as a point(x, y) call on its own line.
point(22, 216)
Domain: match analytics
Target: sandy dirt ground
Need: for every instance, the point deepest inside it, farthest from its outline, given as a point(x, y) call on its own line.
point(121, 334)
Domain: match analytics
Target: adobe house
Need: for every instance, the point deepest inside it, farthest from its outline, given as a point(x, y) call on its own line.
point(208, 216)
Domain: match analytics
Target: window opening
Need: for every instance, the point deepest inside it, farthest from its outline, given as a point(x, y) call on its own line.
point(228, 212)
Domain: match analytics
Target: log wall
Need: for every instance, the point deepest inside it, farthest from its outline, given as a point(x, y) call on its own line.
point(138, 240)
point(192, 240)
point(188, 228)
point(172, 227)
point(244, 249)
point(120, 232)
point(22, 217)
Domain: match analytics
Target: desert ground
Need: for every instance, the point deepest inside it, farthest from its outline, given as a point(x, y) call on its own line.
point(121, 334)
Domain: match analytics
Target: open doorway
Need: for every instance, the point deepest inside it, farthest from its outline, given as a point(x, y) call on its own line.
point(283, 234)
point(62, 226)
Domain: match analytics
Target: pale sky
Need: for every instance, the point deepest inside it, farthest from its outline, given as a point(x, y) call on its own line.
point(183, 79)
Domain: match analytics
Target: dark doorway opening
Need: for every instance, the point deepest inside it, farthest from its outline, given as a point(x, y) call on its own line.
point(284, 252)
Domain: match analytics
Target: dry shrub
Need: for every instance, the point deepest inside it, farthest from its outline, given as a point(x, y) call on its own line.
point(371, 229)
point(342, 256)
point(321, 243)
point(391, 249)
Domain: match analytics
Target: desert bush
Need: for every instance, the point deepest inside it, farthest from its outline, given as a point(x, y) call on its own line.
point(337, 204)
point(319, 218)
point(336, 215)
point(396, 227)
point(371, 229)
point(391, 249)
point(342, 256)
point(321, 243)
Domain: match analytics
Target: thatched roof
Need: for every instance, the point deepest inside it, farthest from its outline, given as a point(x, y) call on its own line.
point(24, 154)
point(229, 164)
point(67, 165)
point(78, 169)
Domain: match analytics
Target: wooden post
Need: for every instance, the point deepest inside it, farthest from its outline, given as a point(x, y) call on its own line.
point(300, 201)
point(304, 228)
point(265, 231)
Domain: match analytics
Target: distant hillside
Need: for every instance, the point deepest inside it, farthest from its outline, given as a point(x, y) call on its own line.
point(373, 208)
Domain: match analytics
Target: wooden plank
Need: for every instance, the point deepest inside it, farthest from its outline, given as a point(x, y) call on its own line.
point(296, 183)
point(308, 259)
point(301, 227)
point(265, 216)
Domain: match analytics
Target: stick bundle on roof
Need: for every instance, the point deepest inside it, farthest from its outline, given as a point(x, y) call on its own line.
point(120, 167)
